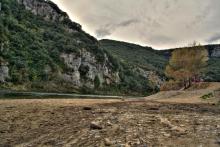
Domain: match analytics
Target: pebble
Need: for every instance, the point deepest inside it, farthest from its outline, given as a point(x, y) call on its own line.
point(108, 142)
point(95, 126)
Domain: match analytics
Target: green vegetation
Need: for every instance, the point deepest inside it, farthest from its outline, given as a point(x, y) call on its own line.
point(207, 96)
point(213, 70)
point(128, 57)
point(33, 43)
point(136, 56)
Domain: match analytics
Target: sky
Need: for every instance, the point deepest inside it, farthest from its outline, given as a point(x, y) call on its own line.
point(161, 24)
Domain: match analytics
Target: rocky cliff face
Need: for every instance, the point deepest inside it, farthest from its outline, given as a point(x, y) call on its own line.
point(155, 80)
point(49, 11)
point(83, 69)
point(4, 71)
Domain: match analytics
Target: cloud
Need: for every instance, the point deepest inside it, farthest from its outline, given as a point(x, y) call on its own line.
point(160, 24)
point(108, 29)
point(214, 38)
point(102, 32)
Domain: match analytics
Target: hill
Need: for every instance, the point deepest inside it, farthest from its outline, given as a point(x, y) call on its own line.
point(136, 55)
point(150, 59)
point(43, 50)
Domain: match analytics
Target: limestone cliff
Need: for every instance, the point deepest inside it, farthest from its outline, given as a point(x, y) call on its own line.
point(83, 68)
point(49, 11)
point(4, 71)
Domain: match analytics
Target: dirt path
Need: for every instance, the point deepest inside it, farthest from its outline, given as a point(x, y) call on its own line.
point(49, 123)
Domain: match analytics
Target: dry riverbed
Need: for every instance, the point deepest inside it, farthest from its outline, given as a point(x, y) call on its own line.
point(73, 123)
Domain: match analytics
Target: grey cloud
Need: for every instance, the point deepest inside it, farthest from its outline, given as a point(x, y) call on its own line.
point(214, 38)
point(156, 23)
point(103, 32)
point(108, 29)
point(127, 23)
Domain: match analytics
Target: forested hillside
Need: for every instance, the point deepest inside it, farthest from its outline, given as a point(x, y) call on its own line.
point(43, 50)
point(156, 60)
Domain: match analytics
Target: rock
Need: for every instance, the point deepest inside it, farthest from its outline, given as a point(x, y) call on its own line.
point(127, 145)
point(109, 123)
point(166, 134)
point(167, 123)
point(4, 71)
point(83, 68)
point(108, 142)
point(152, 76)
point(95, 126)
point(49, 11)
point(178, 129)
point(123, 145)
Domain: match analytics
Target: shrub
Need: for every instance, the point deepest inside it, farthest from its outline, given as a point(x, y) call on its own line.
point(207, 96)
point(171, 85)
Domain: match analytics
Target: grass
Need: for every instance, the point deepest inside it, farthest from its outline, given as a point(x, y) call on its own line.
point(207, 96)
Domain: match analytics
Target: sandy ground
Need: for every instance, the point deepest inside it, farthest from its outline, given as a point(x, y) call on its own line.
point(190, 96)
point(166, 119)
point(116, 123)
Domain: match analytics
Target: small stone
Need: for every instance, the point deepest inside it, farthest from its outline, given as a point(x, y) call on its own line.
point(109, 123)
point(96, 126)
point(178, 129)
point(127, 145)
point(97, 136)
point(166, 135)
point(108, 142)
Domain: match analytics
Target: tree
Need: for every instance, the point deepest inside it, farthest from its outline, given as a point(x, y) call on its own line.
point(187, 64)
point(3, 38)
point(97, 81)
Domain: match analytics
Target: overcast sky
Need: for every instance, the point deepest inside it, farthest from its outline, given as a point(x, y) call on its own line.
point(156, 23)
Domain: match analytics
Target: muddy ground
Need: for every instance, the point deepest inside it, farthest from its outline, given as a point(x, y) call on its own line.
point(30, 123)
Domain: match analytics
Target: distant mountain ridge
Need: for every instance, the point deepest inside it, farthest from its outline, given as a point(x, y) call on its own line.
point(158, 59)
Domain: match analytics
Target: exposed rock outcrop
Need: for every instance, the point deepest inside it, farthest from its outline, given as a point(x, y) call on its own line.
point(4, 71)
point(49, 11)
point(154, 79)
point(83, 68)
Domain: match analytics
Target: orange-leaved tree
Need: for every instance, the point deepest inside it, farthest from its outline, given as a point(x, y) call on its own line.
point(187, 64)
